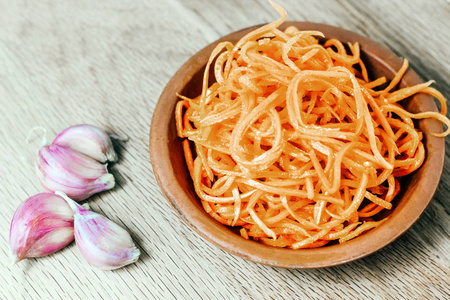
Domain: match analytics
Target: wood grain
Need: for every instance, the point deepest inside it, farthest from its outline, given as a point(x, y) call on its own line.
point(106, 63)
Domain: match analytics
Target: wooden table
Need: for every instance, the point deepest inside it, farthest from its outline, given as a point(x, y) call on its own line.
point(106, 63)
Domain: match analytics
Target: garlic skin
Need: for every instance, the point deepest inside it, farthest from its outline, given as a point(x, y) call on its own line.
point(88, 140)
point(41, 225)
point(60, 168)
point(103, 243)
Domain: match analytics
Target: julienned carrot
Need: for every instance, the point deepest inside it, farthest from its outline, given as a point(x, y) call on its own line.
point(188, 156)
point(419, 157)
point(209, 208)
point(294, 138)
point(179, 116)
point(372, 209)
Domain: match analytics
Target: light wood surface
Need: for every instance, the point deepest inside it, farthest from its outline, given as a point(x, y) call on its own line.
point(106, 63)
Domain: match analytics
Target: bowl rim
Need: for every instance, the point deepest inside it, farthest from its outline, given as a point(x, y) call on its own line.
point(326, 256)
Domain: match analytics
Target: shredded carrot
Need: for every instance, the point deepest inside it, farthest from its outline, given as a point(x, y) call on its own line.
point(179, 118)
point(293, 143)
point(188, 157)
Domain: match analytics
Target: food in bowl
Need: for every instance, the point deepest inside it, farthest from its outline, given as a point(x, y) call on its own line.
point(293, 143)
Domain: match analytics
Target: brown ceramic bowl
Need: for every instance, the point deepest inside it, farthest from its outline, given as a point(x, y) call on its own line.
point(173, 177)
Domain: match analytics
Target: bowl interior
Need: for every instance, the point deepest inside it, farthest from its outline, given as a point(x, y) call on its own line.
point(173, 177)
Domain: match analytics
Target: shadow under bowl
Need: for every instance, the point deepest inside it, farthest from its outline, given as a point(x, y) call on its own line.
point(171, 173)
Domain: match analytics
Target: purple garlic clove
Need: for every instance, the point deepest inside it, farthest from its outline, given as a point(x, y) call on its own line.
point(41, 225)
point(60, 168)
point(103, 243)
point(88, 140)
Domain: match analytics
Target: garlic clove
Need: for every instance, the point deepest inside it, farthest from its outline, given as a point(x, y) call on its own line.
point(102, 242)
point(60, 168)
point(88, 140)
point(41, 225)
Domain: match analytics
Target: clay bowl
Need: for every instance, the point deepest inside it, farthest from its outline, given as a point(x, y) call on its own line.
point(173, 178)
